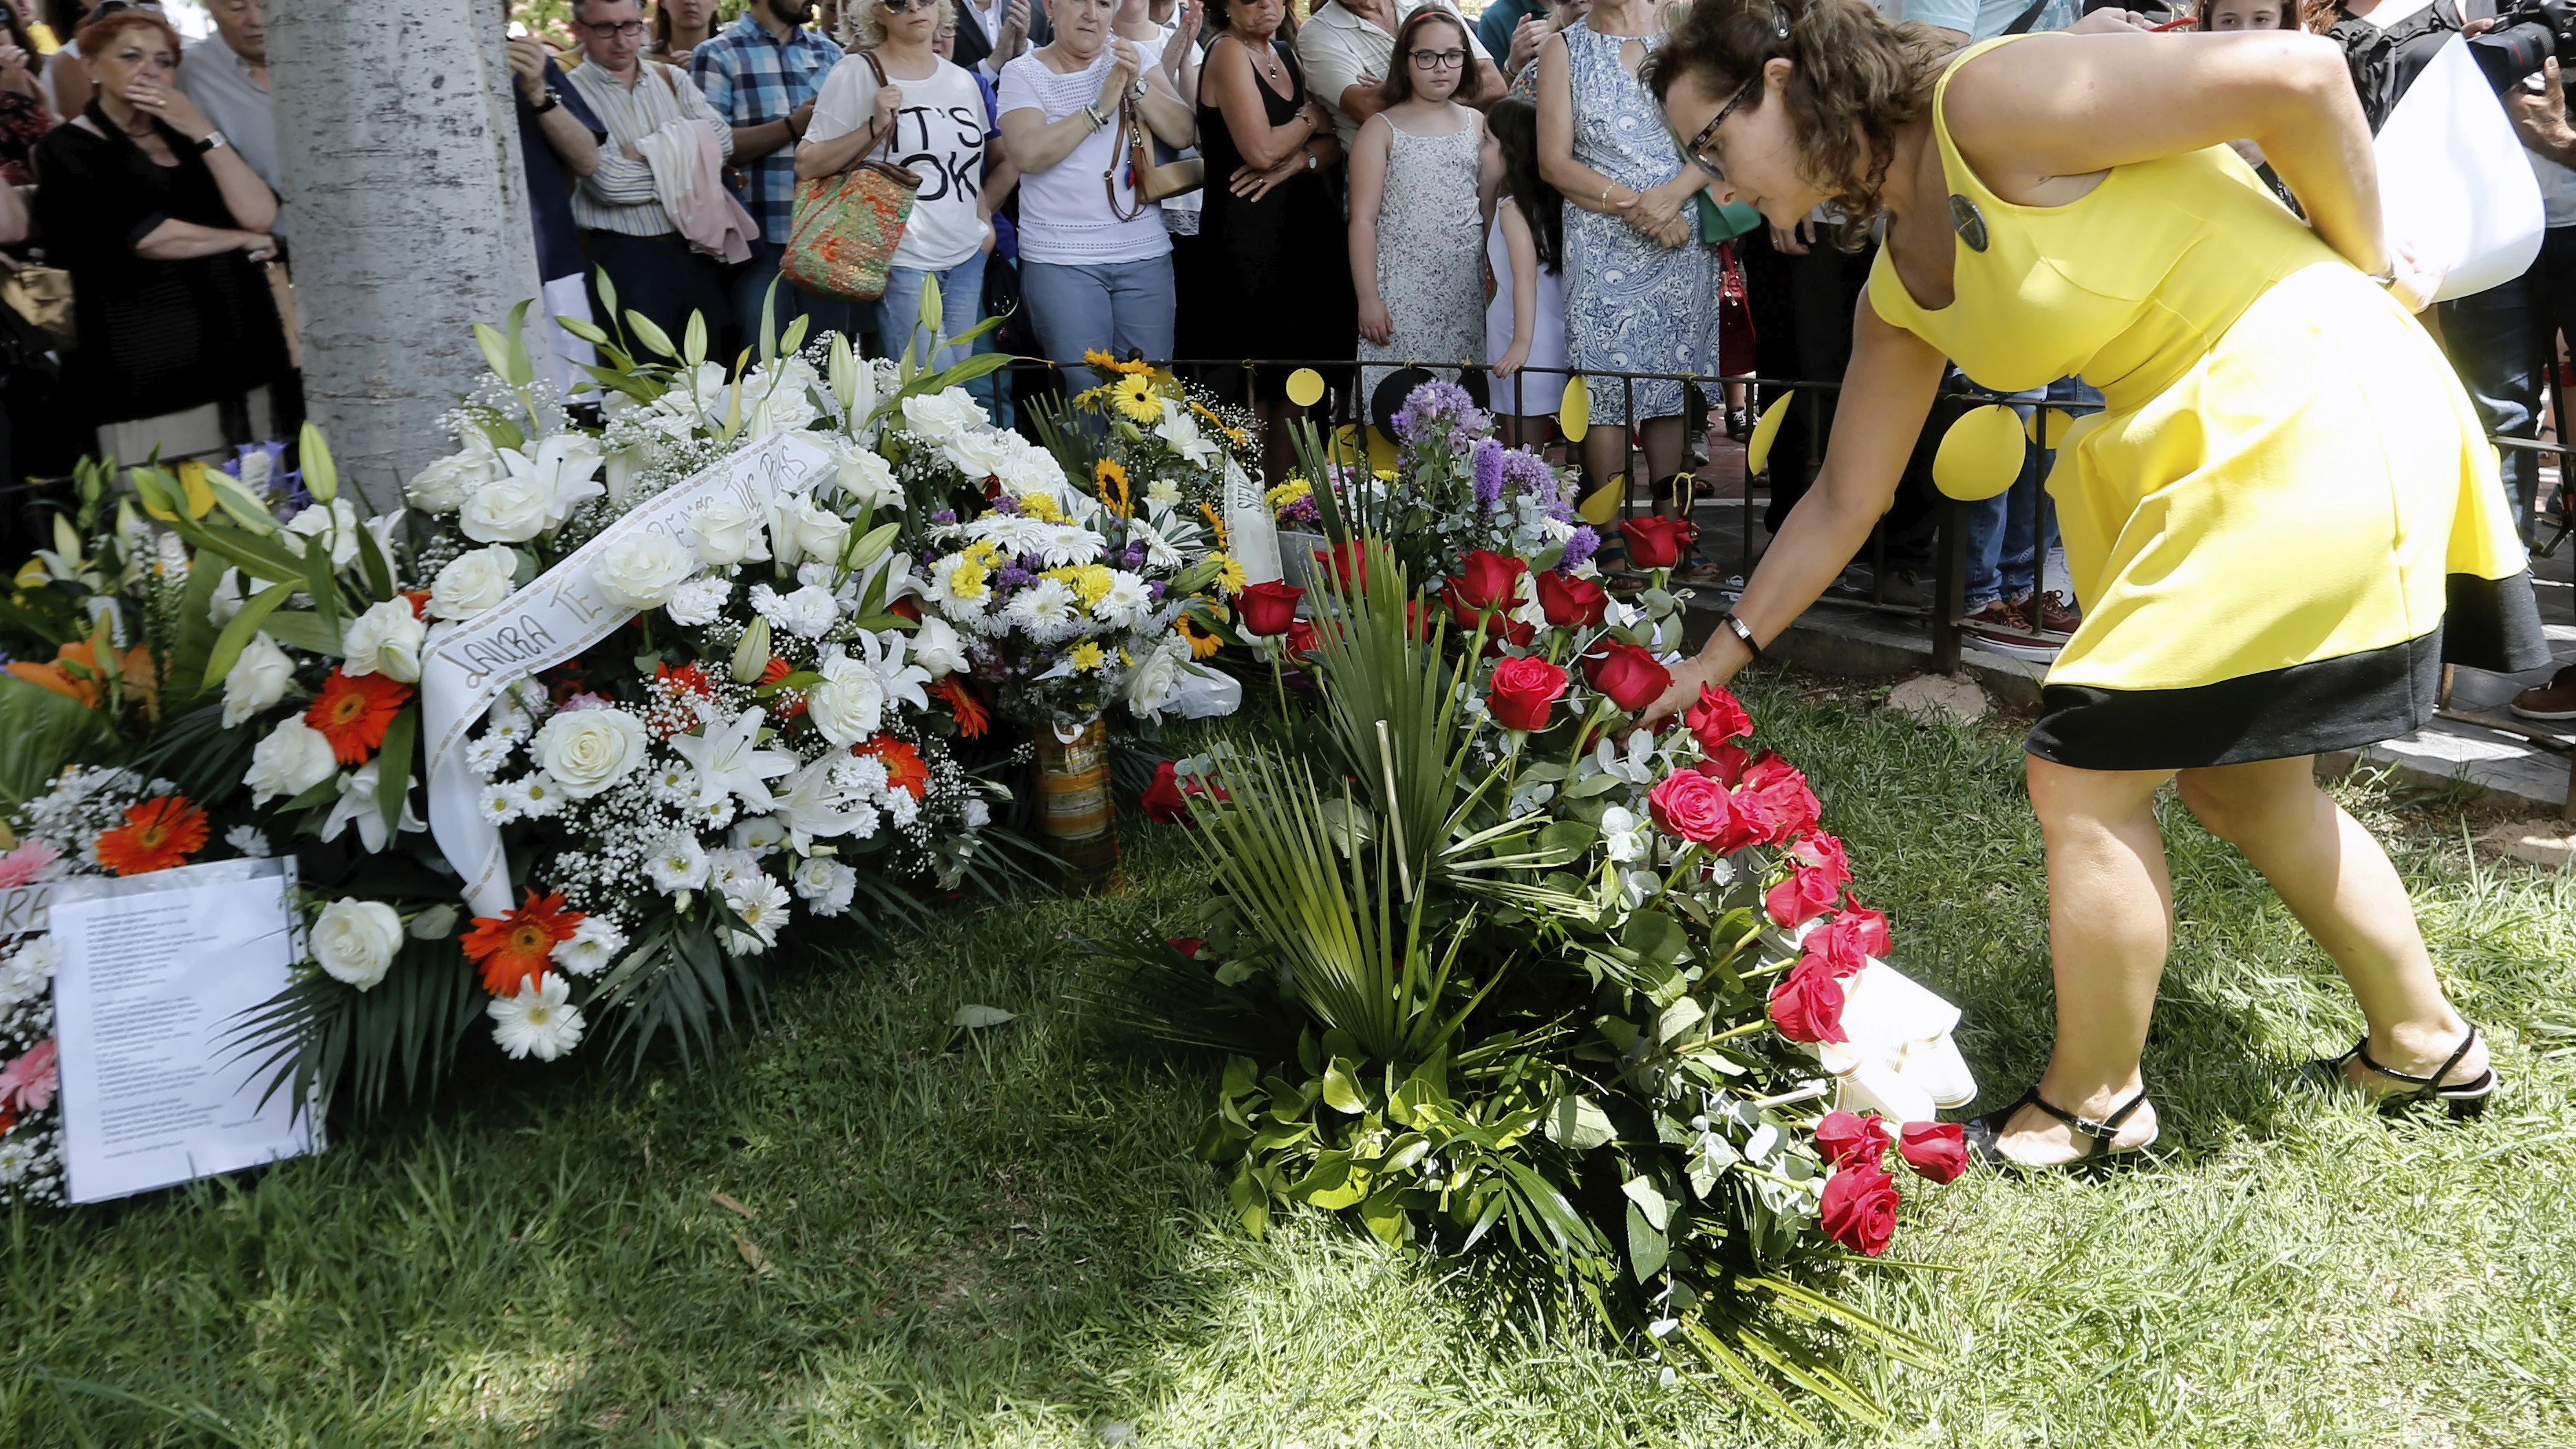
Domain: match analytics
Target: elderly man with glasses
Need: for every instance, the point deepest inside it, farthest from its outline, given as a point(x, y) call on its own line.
point(624, 226)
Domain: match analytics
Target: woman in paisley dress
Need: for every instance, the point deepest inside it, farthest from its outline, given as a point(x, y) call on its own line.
point(1639, 288)
point(1417, 234)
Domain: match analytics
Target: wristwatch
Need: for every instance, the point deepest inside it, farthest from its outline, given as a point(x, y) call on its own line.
point(1311, 162)
point(554, 98)
point(1136, 88)
point(212, 140)
point(1092, 109)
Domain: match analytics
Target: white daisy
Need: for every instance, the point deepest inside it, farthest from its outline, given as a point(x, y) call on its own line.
point(1045, 611)
point(762, 905)
point(594, 944)
point(250, 840)
point(673, 784)
point(486, 754)
point(498, 804)
point(1126, 603)
point(536, 796)
point(541, 1019)
point(729, 866)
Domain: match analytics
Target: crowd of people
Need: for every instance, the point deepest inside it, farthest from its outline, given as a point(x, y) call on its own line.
point(1385, 182)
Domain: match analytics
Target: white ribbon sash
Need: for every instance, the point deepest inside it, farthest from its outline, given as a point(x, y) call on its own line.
point(554, 618)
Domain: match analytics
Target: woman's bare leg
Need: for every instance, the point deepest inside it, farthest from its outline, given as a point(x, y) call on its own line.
point(2334, 877)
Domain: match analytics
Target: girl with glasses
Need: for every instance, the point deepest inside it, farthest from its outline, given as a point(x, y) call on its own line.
point(2058, 204)
point(1416, 233)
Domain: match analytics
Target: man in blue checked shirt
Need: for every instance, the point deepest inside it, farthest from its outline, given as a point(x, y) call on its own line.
point(761, 74)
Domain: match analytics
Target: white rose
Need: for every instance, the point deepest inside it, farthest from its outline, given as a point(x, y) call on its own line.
point(474, 582)
point(698, 601)
point(258, 680)
point(979, 453)
point(937, 418)
point(506, 510)
point(804, 531)
point(338, 521)
point(808, 613)
point(826, 885)
point(355, 941)
point(640, 571)
point(938, 647)
point(848, 704)
point(588, 750)
point(385, 640)
point(293, 759)
point(443, 486)
point(1154, 683)
point(867, 479)
point(726, 534)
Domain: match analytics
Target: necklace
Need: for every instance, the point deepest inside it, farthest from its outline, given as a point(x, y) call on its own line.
point(1264, 59)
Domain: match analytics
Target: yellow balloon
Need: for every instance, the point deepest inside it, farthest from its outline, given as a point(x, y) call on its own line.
point(1981, 455)
point(1305, 387)
point(32, 574)
point(2054, 420)
point(1602, 504)
point(1381, 450)
point(1757, 449)
point(1347, 445)
point(1574, 411)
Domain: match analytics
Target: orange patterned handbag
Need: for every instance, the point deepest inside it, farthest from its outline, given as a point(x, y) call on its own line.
point(846, 227)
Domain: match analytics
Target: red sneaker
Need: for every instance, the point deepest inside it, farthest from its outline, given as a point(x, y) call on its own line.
point(2057, 618)
point(2555, 700)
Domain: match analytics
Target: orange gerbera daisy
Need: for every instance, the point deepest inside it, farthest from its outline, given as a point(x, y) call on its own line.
point(903, 763)
point(157, 834)
point(517, 946)
point(354, 713)
point(972, 718)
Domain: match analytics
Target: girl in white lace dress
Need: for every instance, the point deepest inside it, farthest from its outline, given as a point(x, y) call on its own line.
point(1417, 231)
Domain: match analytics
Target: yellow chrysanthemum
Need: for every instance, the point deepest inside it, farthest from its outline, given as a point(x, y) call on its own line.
point(1089, 656)
point(1089, 582)
point(1134, 395)
point(1042, 507)
point(1287, 493)
point(1386, 475)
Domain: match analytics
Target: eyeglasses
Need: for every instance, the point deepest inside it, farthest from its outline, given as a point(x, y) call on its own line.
point(1439, 59)
point(1696, 148)
point(604, 29)
point(906, 7)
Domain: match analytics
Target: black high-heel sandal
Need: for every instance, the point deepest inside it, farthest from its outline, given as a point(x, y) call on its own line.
point(2097, 1136)
point(2462, 1099)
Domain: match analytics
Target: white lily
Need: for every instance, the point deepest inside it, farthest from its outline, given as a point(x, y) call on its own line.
point(728, 759)
point(358, 804)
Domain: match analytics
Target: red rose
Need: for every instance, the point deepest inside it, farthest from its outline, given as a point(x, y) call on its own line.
point(1163, 801)
point(1870, 926)
point(1718, 717)
point(1851, 1141)
point(1461, 613)
point(1301, 640)
point(1785, 801)
point(1349, 561)
point(1805, 895)
point(1938, 1150)
point(1842, 943)
point(1522, 692)
point(1807, 1005)
point(1569, 602)
point(1860, 1209)
point(1507, 630)
point(1189, 946)
point(1628, 674)
point(1824, 852)
point(1489, 581)
point(1690, 805)
point(1725, 765)
point(1657, 543)
point(1268, 608)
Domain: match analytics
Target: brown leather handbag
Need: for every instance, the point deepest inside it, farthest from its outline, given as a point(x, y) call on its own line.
point(1156, 178)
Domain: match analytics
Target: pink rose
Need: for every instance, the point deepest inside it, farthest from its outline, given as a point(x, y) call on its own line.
point(1937, 1150)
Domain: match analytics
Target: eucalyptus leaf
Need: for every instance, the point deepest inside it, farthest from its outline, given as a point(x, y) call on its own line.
point(973, 1017)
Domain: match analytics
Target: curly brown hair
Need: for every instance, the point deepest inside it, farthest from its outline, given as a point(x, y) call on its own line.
point(1854, 78)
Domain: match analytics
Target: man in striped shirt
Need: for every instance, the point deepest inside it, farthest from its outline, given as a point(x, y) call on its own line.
point(623, 226)
point(762, 74)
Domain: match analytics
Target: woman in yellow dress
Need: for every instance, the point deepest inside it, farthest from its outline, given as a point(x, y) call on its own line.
point(2268, 523)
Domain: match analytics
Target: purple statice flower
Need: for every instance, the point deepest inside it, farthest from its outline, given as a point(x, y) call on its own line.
point(1011, 577)
point(1579, 549)
point(945, 515)
point(1302, 510)
point(1032, 563)
point(1438, 399)
point(1006, 503)
point(1154, 590)
point(1491, 464)
point(1133, 558)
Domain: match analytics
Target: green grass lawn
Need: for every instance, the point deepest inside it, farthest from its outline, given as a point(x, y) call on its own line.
point(1008, 1242)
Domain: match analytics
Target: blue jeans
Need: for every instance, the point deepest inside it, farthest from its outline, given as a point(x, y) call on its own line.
point(961, 306)
point(1117, 307)
point(2011, 534)
point(751, 293)
point(2496, 340)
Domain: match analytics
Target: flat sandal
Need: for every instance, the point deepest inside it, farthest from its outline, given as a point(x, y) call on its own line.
point(2462, 1099)
point(2097, 1138)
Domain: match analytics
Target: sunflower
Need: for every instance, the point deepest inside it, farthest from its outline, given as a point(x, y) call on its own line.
point(1109, 477)
point(1202, 646)
point(354, 713)
point(518, 945)
point(1134, 395)
point(156, 835)
point(903, 763)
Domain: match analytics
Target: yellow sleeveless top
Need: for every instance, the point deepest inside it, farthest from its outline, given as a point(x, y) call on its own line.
point(2264, 522)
